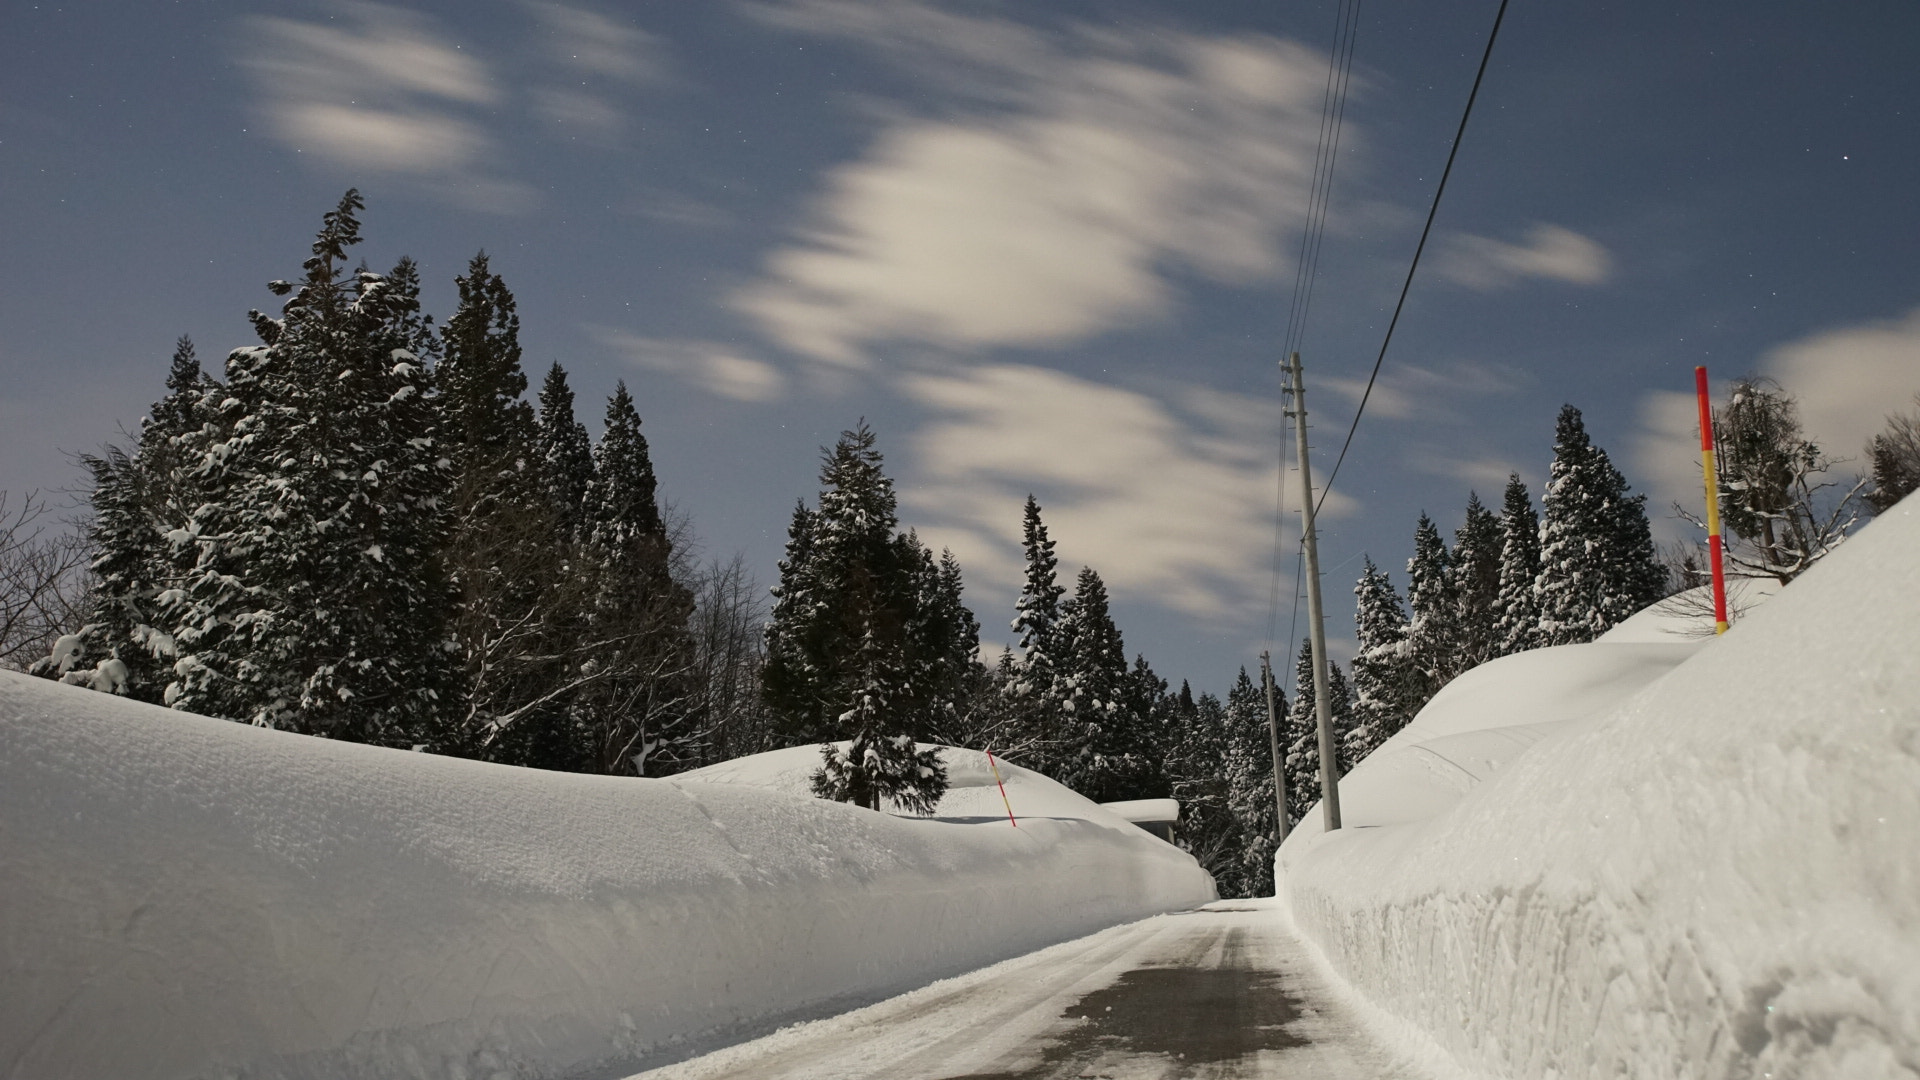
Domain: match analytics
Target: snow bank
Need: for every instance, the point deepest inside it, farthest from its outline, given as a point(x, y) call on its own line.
point(1716, 874)
point(190, 897)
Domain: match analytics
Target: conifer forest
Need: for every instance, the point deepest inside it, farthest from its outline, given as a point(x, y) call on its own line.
point(370, 527)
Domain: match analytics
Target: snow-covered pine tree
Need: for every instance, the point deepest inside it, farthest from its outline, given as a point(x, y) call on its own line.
point(1518, 627)
point(1208, 831)
point(565, 453)
point(1475, 565)
point(948, 643)
point(1038, 691)
point(841, 649)
point(1782, 513)
point(1248, 765)
point(1148, 700)
point(126, 645)
point(1433, 632)
point(486, 425)
point(801, 653)
point(1597, 562)
point(1300, 739)
point(520, 598)
point(1385, 683)
point(315, 602)
point(1894, 461)
point(1102, 742)
point(1345, 723)
point(634, 701)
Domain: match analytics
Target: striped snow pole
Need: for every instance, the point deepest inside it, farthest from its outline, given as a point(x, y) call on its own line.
point(1003, 788)
point(1713, 503)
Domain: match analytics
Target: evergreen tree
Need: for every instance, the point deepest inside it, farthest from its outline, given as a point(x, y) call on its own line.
point(1475, 566)
point(1774, 499)
point(1248, 764)
point(636, 708)
point(506, 555)
point(1597, 562)
point(1301, 739)
point(1209, 829)
point(1386, 685)
point(948, 641)
point(1518, 627)
point(842, 653)
point(1149, 702)
point(1103, 753)
point(1345, 722)
point(565, 454)
point(1434, 633)
point(800, 640)
point(488, 427)
point(1894, 457)
point(314, 601)
point(137, 500)
point(1038, 692)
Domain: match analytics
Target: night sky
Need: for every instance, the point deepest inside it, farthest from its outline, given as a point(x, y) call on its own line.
point(1043, 248)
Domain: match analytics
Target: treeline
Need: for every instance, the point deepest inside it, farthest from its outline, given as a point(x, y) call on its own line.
point(871, 650)
point(363, 531)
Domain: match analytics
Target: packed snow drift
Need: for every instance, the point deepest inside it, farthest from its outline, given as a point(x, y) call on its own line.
point(1657, 855)
point(186, 897)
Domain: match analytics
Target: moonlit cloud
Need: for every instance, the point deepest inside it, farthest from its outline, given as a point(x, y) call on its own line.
point(1170, 499)
point(377, 89)
point(598, 56)
point(1424, 393)
point(715, 367)
point(1846, 380)
point(590, 43)
point(1066, 180)
point(1549, 252)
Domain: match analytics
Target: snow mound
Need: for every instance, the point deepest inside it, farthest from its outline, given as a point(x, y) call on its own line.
point(973, 792)
point(1717, 875)
point(1689, 614)
point(186, 897)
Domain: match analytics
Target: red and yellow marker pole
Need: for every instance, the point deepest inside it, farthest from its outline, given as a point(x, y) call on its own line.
point(1003, 788)
point(1713, 503)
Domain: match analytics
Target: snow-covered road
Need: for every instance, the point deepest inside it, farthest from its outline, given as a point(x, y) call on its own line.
point(1224, 991)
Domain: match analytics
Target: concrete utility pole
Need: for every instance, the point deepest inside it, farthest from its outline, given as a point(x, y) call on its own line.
point(1316, 618)
point(1279, 762)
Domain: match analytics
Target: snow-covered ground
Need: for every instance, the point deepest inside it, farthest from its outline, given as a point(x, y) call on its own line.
point(1223, 991)
point(1658, 855)
point(183, 897)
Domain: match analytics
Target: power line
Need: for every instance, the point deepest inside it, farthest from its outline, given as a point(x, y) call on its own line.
point(1422, 246)
point(1319, 193)
point(1333, 110)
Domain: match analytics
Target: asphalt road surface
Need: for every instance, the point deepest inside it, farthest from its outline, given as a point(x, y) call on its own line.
point(1225, 991)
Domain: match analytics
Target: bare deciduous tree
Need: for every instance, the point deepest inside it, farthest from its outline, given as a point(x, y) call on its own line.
point(43, 581)
point(1781, 508)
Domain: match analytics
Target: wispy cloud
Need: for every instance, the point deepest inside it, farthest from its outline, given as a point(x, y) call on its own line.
point(1408, 391)
point(1166, 498)
point(1846, 380)
point(590, 43)
point(379, 89)
point(1549, 252)
point(1052, 192)
point(713, 366)
point(600, 57)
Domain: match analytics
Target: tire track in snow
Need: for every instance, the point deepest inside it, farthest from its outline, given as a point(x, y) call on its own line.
point(1217, 992)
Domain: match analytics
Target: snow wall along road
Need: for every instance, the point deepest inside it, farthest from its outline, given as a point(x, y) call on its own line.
point(184, 897)
point(1716, 876)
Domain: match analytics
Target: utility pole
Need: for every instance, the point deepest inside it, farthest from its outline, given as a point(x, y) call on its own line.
point(1279, 763)
point(1316, 618)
